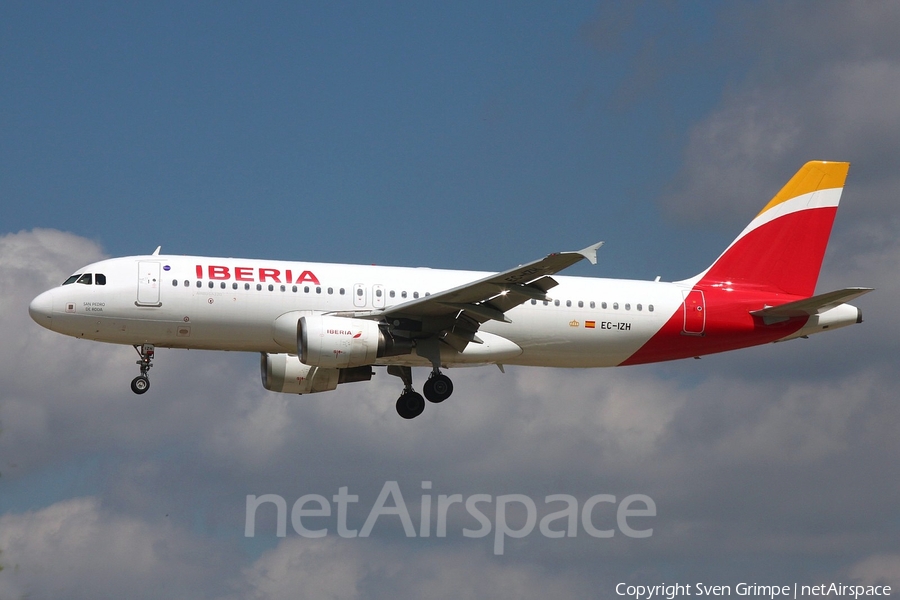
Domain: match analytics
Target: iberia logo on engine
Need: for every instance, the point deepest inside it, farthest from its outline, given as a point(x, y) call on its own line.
point(344, 332)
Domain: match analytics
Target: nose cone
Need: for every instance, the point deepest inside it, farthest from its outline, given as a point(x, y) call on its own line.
point(41, 309)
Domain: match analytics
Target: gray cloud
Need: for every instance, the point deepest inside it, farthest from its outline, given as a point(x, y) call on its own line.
point(746, 455)
point(823, 87)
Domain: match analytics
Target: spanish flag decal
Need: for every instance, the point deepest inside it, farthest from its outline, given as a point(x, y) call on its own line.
point(590, 324)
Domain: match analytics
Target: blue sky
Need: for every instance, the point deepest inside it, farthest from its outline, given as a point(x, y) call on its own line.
point(497, 133)
point(459, 136)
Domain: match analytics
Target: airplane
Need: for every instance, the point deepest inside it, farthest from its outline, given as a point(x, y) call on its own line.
point(320, 325)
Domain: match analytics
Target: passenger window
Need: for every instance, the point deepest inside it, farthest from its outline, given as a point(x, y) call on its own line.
point(603, 305)
point(271, 287)
point(246, 286)
point(403, 294)
point(71, 279)
point(377, 293)
point(187, 283)
point(99, 279)
point(415, 294)
point(258, 287)
point(199, 284)
point(174, 283)
point(593, 304)
point(211, 284)
point(294, 289)
point(330, 291)
point(318, 290)
point(556, 302)
point(580, 304)
point(569, 303)
point(615, 306)
point(234, 285)
point(222, 285)
point(86, 279)
point(533, 302)
point(306, 289)
point(393, 293)
point(283, 289)
point(627, 306)
point(342, 291)
point(650, 307)
point(639, 307)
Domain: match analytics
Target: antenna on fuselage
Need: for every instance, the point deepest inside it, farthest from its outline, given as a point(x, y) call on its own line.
point(156, 252)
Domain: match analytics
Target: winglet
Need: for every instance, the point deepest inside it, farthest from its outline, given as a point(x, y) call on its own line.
point(590, 252)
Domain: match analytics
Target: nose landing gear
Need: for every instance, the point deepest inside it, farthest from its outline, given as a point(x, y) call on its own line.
point(141, 383)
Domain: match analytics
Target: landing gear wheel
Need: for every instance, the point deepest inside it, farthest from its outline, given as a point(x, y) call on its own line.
point(140, 384)
point(410, 404)
point(438, 388)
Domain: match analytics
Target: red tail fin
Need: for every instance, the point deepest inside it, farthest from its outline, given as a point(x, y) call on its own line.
point(781, 250)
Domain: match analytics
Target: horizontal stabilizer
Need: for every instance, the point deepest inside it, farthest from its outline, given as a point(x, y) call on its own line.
point(812, 306)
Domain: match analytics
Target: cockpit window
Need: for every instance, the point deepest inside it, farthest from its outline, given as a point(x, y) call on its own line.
point(86, 279)
point(72, 279)
point(99, 279)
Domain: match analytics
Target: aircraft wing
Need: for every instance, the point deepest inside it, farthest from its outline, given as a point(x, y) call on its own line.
point(458, 312)
point(492, 296)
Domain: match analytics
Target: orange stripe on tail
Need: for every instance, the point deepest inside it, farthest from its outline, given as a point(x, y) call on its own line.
point(782, 249)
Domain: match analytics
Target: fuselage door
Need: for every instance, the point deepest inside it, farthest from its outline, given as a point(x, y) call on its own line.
point(359, 295)
point(148, 284)
point(694, 312)
point(378, 296)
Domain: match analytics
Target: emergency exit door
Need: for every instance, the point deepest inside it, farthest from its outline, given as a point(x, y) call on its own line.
point(694, 312)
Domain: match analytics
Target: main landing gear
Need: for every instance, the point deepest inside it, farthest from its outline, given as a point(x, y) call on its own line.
point(141, 383)
point(438, 387)
point(411, 404)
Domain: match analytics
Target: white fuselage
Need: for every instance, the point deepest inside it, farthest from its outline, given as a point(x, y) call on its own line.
point(235, 304)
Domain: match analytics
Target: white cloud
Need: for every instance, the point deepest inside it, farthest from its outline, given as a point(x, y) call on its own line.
point(878, 569)
point(75, 549)
point(347, 569)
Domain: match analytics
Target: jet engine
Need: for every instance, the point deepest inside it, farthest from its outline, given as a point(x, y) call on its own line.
point(285, 373)
point(340, 342)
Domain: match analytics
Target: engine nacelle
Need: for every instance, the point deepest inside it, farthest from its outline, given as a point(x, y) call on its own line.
point(285, 373)
point(340, 343)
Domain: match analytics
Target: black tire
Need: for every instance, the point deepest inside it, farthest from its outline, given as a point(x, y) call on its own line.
point(140, 384)
point(438, 388)
point(410, 405)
